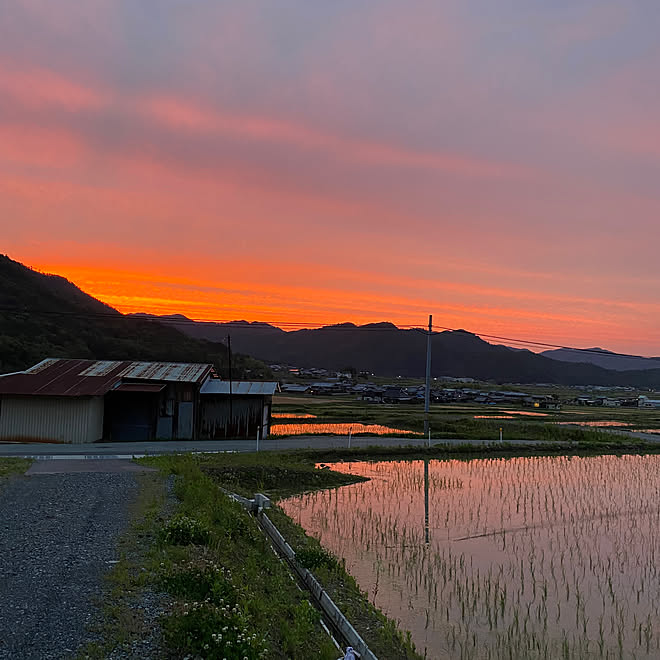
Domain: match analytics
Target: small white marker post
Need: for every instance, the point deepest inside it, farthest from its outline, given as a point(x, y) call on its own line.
point(258, 434)
point(429, 438)
point(500, 434)
point(350, 433)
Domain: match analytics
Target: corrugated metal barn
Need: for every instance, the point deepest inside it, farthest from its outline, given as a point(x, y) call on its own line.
point(79, 401)
point(238, 409)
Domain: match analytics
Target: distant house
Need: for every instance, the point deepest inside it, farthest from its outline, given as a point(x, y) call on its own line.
point(396, 395)
point(645, 402)
point(83, 401)
point(371, 394)
point(543, 401)
point(290, 388)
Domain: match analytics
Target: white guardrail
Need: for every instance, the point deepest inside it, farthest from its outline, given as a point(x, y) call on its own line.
point(327, 605)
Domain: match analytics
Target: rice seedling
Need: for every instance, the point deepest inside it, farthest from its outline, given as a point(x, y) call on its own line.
point(540, 557)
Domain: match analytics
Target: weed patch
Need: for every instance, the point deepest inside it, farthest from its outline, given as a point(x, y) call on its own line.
point(184, 530)
point(10, 466)
point(233, 597)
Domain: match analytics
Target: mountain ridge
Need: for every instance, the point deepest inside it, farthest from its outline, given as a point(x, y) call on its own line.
point(43, 315)
point(603, 358)
point(48, 316)
point(384, 349)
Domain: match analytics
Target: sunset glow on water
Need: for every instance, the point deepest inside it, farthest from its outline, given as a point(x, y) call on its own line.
point(605, 423)
point(544, 557)
point(336, 428)
point(292, 416)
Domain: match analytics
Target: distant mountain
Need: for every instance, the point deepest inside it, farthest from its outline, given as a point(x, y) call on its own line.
point(605, 359)
point(384, 349)
point(48, 316)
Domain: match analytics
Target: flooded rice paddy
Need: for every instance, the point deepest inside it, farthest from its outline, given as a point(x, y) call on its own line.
point(337, 428)
point(610, 423)
point(286, 415)
point(542, 557)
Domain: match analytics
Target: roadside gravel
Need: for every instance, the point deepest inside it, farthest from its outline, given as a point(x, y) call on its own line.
point(58, 536)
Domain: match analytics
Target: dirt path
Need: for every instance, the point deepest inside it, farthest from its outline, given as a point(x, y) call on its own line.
point(59, 526)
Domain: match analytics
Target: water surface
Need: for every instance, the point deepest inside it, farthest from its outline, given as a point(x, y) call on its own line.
point(338, 428)
point(544, 557)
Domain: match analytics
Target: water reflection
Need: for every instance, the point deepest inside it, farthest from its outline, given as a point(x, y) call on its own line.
point(336, 428)
point(544, 557)
point(604, 424)
point(285, 415)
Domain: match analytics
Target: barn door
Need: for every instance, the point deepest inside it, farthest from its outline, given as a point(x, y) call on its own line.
point(185, 421)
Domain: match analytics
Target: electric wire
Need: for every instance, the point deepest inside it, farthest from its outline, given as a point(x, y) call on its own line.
point(293, 326)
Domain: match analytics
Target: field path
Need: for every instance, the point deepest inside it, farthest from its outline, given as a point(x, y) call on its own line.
point(59, 526)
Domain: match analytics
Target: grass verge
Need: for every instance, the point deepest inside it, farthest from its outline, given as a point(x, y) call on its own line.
point(11, 466)
point(132, 600)
point(227, 583)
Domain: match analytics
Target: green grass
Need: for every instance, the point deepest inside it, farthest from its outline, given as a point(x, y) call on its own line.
point(457, 420)
point(233, 565)
point(11, 466)
point(225, 580)
point(277, 474)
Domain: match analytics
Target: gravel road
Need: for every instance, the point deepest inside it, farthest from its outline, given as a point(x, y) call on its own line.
point(58, 534)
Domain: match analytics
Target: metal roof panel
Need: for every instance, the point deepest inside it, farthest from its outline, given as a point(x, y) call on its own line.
point(240, 387)
point(69, 377)
point(181, 372)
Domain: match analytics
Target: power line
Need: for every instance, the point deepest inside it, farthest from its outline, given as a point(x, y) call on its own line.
point(293, 326)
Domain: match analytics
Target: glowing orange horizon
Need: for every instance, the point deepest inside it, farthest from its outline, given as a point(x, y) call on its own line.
point(296, 306)
point(241, 180)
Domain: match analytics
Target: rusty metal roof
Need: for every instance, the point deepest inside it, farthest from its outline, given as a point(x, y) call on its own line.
point(59, 377)
point(66, 377)
point(180, 372)
point(142, 388)
point(242, 387)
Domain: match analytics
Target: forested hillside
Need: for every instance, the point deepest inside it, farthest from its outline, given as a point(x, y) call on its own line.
point(386, 350)
point(48, 316)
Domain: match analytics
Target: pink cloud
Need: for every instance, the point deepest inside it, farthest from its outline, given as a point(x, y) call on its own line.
point(181, 115)
point(42, 89)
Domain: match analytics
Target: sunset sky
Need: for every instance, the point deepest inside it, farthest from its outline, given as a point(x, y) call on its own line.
point(493, 162)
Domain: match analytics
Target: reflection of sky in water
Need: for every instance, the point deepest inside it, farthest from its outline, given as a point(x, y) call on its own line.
point(604, 423)
point(551, 553)
point(338, 428)
point(282, 415)
point(526, 413)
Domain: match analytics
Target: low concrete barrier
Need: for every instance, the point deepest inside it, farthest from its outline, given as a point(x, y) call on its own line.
point(334, 614)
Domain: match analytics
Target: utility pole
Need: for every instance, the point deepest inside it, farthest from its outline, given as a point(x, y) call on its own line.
point(426, 501)
point(231, 416)
point(427, 393)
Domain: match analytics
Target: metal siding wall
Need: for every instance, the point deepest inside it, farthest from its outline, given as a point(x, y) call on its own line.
point(215, 423)
point(96, 408)
point(53, 419)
